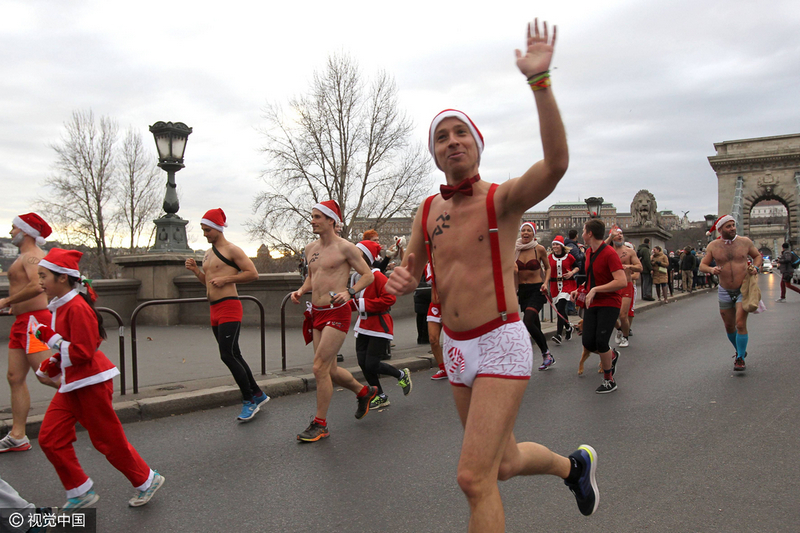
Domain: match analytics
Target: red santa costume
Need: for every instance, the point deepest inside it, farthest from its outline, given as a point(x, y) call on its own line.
point(86, 388)
point(561, 287)
point(374, 328)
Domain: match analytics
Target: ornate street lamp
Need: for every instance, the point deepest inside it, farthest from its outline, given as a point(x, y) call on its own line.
point(593, 206)
point(171, 143)
point(710, 219)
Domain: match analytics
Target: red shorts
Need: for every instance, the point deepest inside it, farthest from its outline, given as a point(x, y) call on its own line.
point(627, 292)
point(337, 318)
point(20, 339)
point(434, 313)
point(226, 310)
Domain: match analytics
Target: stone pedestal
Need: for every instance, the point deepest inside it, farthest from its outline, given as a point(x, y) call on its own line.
point(657, 236)
point(156, 272)
point(171, 235)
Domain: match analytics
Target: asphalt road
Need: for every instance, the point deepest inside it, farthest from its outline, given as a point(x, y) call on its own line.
point(684, 445)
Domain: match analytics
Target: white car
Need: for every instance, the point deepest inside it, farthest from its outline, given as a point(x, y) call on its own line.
point(766, 268)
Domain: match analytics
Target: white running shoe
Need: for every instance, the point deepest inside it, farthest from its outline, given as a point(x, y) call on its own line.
point(781, 300)
point(618, 336)
point(624, 342)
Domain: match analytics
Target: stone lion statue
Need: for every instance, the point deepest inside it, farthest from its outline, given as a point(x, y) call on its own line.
point(644, 209)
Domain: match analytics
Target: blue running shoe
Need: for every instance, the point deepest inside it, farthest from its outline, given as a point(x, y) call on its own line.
point(585, 489)
point(261, 398)
point(86, 499)
point(249, 410)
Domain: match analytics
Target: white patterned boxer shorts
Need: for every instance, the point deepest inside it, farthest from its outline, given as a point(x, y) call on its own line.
point(502, 352)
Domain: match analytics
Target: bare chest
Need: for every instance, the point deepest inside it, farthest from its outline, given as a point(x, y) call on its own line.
point(459, 234)
point(17, 275)
point(327, 262)
point(213, 266)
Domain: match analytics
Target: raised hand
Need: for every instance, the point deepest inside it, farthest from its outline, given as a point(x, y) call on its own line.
point(539, 50)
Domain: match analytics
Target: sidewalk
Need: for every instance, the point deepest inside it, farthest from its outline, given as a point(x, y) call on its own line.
point(180, 370)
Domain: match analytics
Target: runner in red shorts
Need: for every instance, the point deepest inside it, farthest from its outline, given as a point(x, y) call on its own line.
point(630, 264)
point(225, 265)
point(328, 319)
point(27, 302)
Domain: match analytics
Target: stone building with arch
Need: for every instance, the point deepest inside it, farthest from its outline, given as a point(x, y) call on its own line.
point(750, 171)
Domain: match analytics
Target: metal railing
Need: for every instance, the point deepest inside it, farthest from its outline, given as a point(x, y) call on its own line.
point(134, 351)
point(121, 331)
point(283, 330)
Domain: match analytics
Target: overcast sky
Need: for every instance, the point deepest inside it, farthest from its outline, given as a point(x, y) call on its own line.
point(645, 88)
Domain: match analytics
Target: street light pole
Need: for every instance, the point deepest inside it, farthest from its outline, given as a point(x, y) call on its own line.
point(594, 205)
point(171, 143)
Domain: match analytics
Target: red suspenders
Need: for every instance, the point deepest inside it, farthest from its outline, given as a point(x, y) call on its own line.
point(494, 243)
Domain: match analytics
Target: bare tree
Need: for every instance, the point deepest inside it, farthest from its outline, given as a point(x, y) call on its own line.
point(137, 191)
point(345, 140)
point(83, 184)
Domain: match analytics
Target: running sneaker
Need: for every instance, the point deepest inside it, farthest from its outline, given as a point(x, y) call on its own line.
point(10, 444)
point(781, 300)
point(314, 432)
point(738, 364)
point(624, 342)
point(86, 499)
point(405, 382)
point(380, 401)
point(145, 496)
point(585, 489)
point(548, 361)
point(618, 336)
point(363, 402)
point(439, 375)
point(556, 339)
point(630, 333)
point(568, 333)
point(261, 398)
point(609, 385)
point(249, 410)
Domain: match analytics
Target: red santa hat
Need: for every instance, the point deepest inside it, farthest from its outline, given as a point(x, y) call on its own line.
point(63, 262)
point(34, 226)
point(330, 208)
point(460, 115)
point(215, 218)
point(721, 221)
point(558, 240)
point(531, 224)
point(371, 249)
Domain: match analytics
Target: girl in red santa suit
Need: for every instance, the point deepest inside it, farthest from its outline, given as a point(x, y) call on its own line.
point(84, 396)
point(562, 283)
point(374, 329)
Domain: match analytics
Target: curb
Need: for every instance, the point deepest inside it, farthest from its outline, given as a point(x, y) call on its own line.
point(215, 397)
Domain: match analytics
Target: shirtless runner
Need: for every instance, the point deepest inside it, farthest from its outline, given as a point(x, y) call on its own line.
point(731, 252)
point(487, 350)
point(329, 261)
point(630, 264)
point(224, 266)
point(28, 302)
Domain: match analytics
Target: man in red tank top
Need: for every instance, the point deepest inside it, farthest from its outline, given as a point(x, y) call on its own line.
point(468, 233)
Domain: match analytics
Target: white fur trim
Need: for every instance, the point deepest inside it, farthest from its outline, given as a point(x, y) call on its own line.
point(366, 252)
point(81, 489)
point(719, 223)
point(212, 224)
point(454, 113)
point(111, 373)
point(329, 212)
point(28, 230)
point(51, 343)
point(146, 485)
point(59, 269)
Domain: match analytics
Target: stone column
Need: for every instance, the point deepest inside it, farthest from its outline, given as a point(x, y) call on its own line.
point(156, 272)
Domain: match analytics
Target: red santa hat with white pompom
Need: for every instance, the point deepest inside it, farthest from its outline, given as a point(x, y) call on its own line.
point(215, 218)
point(721, 221)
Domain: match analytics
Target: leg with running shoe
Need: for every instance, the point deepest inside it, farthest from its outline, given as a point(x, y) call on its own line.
point(91, 406)
point(490, 453)
point(369, 351)
point(227, 335)
point(597, 326)
point(326, 372)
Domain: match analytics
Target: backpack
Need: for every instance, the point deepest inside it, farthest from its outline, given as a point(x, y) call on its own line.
point(796, 262)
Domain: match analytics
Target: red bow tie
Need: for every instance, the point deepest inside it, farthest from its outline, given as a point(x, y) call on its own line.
point(465, 188)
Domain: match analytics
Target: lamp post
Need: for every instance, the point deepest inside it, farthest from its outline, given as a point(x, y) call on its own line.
point(171, 143)
point(710, 222)
point(593, 206)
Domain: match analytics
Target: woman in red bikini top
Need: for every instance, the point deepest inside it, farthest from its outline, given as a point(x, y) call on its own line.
point(530, 272)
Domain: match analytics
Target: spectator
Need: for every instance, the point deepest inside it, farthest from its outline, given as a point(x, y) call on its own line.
point(688, 264)
point(660, 273)
point(647, 278)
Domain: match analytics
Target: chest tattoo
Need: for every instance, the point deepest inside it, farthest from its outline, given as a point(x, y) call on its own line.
point(443, 224)
point(314, 257)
